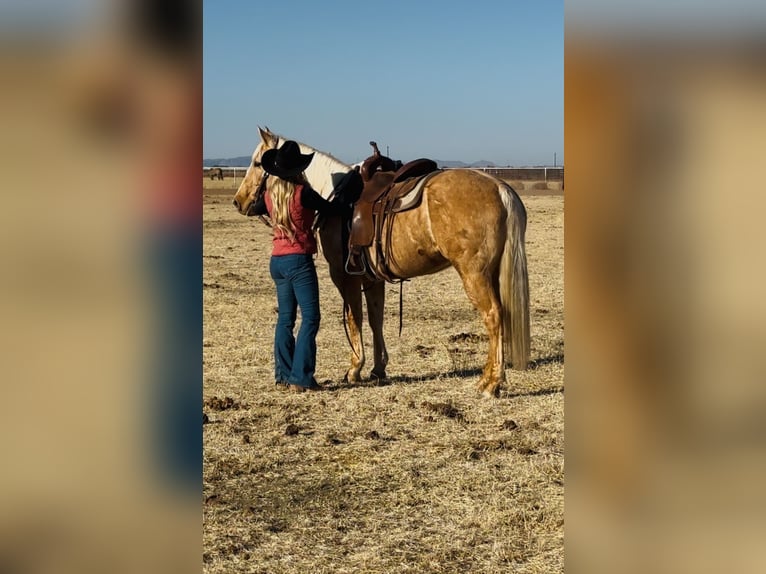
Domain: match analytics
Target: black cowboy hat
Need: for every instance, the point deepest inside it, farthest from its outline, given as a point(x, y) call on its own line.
point(287, 161)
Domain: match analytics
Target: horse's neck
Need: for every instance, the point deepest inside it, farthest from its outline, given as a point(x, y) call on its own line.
point(321, 170)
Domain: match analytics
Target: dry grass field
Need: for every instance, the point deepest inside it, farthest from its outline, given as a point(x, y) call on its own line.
point(227, 184)
point(418, 474)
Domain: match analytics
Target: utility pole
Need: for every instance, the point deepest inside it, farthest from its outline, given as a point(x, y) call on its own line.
point(554, 159)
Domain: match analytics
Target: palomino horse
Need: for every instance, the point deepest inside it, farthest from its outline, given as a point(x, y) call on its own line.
point(466, 219)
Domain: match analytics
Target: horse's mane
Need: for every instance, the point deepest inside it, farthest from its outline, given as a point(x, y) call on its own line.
point(325, 170)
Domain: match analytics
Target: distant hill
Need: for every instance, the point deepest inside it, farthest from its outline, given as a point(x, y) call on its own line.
point(244, 161)
point(241, 161)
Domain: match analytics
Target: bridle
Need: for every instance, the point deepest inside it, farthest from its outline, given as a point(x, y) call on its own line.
point(260, 189)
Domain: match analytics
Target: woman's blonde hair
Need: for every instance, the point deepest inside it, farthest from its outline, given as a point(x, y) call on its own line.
point(282, 192)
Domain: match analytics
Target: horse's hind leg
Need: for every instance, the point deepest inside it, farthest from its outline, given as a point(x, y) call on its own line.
point(483, 294)
point(375, 293)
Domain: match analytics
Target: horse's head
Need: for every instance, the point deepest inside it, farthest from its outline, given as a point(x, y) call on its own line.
point(254, 183)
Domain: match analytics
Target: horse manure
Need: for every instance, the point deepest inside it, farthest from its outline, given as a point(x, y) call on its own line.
point(332, 439)
point(445, 409)
point(467, 338)
point(372, 435)
point(474, 455)
point(276, 527)
point(423, 351)
point(224, 404)
point(291, 430)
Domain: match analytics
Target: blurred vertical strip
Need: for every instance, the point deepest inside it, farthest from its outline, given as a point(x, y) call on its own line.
point(665, 123)
point(171, 141)
point(101, 291)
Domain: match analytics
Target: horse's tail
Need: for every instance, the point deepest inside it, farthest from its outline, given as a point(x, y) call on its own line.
point(514, 283)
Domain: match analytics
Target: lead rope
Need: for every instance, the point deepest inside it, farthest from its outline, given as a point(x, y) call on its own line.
point(401, 305)
point(345, 330)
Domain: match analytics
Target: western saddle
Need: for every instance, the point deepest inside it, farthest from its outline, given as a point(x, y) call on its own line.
point(389, 188)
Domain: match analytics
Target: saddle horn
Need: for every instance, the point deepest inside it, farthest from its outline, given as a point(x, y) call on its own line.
point(376, 162)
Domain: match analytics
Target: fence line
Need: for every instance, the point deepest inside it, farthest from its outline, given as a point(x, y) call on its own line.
point(525, 173)
point(513, 173)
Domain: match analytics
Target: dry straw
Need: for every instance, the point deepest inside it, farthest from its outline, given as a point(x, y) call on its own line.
point(419, 474)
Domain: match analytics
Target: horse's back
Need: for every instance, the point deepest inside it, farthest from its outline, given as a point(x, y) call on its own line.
point(467, 200)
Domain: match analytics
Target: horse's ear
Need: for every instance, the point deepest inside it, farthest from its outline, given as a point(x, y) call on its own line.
point(267, 137)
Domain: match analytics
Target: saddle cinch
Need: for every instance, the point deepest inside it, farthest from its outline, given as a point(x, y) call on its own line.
point(389, 188)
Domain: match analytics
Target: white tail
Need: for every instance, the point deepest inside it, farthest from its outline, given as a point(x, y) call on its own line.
point(514, 283)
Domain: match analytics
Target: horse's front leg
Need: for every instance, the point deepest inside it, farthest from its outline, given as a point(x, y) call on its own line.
point(375, 294)
point(350, 289)
point(352, 310)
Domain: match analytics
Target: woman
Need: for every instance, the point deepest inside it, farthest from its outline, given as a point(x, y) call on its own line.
point(292, 205)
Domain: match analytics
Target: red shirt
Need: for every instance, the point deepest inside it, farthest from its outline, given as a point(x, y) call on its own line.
point(303, 240)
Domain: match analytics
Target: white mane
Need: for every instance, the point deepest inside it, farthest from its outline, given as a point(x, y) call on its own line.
point(324, 172)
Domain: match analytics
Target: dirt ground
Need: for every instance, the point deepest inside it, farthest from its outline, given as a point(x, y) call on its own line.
point(419, 474)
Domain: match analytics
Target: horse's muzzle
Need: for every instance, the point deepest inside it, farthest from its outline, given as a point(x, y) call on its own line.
point(248, 212)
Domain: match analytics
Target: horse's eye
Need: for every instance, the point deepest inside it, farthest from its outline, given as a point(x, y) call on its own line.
point(256, 163)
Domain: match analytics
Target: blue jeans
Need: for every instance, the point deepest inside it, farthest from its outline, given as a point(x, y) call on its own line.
point(296, 279)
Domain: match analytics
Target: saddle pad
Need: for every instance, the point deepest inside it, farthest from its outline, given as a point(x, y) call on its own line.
point(412, 198)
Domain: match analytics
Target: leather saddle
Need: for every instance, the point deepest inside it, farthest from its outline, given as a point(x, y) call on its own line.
point(389, 188)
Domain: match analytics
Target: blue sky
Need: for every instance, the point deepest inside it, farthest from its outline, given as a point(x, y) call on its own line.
point(449, 80)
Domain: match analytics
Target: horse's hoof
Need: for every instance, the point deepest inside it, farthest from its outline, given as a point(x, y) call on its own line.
point(488, 390)
point(378, 376)
point(350, 377)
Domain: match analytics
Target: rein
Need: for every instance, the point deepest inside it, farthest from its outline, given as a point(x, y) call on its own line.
point(259, 191)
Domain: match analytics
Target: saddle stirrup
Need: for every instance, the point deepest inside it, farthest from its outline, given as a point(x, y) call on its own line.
point(359, 258)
